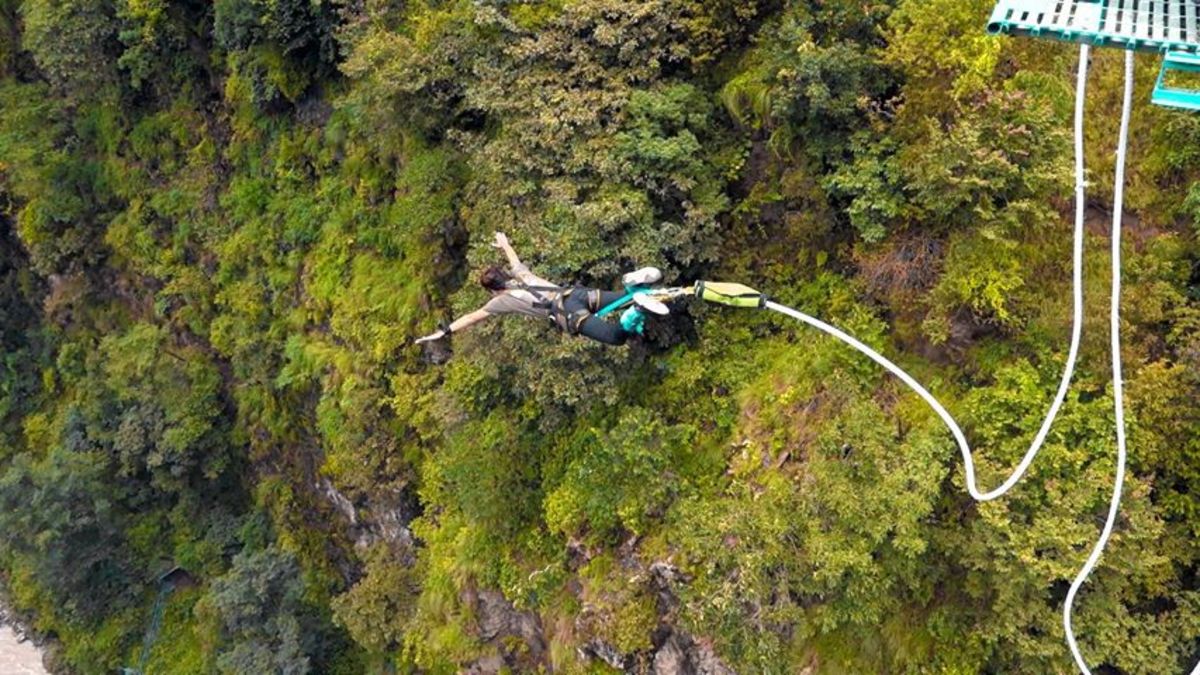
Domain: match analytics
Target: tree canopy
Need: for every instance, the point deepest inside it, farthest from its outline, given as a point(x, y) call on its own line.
point(224, 223)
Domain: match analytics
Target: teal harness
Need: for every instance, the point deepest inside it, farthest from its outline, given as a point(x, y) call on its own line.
point(620, 302)
point(632, 320)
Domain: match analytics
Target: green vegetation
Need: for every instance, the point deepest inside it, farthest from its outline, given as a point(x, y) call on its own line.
point(224, 223)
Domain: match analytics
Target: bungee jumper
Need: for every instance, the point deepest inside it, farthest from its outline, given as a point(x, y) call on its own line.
point(575, 310)
point(580, 310)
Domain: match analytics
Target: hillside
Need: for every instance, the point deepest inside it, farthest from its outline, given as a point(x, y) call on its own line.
point(224, 224)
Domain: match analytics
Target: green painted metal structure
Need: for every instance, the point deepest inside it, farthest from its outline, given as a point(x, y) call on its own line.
point(1172, 96)
point(1167, 27)
point(1145, 25)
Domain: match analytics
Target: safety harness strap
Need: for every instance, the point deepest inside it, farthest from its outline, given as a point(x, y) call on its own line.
point(540, 300)
point(558, 310)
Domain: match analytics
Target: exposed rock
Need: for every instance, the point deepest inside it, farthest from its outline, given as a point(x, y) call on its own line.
point(20, 627)
point(675, 653)
point(55, 660)
point(488, 665)
point(380, 520)
point(670, 659)
point(679, 654)
point(663, 578)
point(577, 554)
point(313, 111)
point(627, 555)
point(672, 652)
point(390, 524)
point(42, 651)
point(340, 502)
point(664, 573)
point(605, 652)
point(706, 661)
point(497, 620)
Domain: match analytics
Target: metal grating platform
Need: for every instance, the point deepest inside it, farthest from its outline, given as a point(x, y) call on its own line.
point(1147, 25)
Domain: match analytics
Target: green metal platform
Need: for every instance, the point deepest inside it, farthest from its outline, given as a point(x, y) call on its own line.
point(1168, 27)
point(1145, 25)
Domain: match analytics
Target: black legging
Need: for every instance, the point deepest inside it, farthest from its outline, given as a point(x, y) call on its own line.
point(610, 333)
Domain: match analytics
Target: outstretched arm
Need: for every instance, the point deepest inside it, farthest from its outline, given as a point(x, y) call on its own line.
point(501, 242)
point(518, 268)
point(458, 325)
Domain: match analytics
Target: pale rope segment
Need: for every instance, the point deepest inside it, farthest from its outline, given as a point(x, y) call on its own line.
point(1118, 388)
point(1114, 504)
point(1072, 354)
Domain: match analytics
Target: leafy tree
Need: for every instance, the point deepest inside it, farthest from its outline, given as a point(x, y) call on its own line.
point(280, 46)
point(618, 478)
point(74, 43)
point(158, 412)
point(377, 609)
point(256, 611)
point(163, 44)
point(231, 218)
point(10, 38)
point(813, 80)
point(291, 24)
point(20, 292)
point(59, 517)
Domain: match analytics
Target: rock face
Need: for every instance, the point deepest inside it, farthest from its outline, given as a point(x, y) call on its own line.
point(499, 623)
point(498, 618)
point(670, 659)
point(672, 652)
point(520, 644)
point(679, 654)
point(21, 647)
point(378, 520)
point(605, 652)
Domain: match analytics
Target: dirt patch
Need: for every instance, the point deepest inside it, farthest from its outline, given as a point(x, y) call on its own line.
point(1098, 222)
point(897, 271)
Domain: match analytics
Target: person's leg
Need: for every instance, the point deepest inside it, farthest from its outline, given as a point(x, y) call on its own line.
point(597, 299)
point(609, 297)
point(581, 317)
point(603, 331)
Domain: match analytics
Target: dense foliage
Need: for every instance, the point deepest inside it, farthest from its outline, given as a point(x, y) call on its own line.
point(224, 223)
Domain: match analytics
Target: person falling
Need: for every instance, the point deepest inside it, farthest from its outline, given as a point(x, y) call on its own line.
point(572, 310)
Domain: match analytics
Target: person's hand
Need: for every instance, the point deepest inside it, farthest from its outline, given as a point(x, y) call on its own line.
point(431, 337)
point(501, 241)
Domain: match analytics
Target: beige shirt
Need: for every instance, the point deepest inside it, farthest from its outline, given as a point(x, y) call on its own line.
point(520, 301)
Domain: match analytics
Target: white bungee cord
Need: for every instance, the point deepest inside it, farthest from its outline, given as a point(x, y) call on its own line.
point(1072, 354)
point(1114, 504)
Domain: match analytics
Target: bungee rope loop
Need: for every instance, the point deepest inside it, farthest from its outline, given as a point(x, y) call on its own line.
point(1072, 355)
